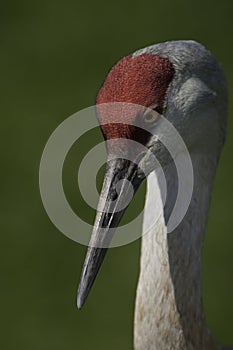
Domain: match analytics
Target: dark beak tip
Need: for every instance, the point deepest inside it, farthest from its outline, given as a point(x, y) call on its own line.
point(80, 299)
point(79, 303)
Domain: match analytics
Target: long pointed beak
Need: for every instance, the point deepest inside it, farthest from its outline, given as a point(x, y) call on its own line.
point(120, 184)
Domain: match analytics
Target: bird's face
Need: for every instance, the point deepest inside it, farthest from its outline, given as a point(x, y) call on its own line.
point(129, 107)
point(135, 97)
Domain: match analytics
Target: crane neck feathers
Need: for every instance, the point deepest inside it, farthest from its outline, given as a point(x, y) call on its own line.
point(169, 306)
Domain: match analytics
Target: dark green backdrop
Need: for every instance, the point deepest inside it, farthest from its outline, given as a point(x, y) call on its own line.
point(53, 58)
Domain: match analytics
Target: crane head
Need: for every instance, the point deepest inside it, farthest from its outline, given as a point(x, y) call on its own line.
point(180, 81)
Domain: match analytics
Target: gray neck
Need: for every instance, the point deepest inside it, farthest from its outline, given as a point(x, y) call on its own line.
point(169, 309)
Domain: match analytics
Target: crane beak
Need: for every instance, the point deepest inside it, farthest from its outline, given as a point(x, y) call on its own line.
point(121, 181)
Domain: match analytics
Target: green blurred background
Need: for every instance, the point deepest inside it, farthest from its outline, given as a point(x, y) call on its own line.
point(53, 58)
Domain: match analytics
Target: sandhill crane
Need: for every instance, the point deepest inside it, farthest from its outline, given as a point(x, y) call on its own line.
point(182, 81)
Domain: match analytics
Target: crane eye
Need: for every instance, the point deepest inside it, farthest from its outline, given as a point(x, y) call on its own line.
point(151, 117)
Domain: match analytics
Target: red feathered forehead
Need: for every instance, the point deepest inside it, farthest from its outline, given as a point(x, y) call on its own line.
point(142, 80)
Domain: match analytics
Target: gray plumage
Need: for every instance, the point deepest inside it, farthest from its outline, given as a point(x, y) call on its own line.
point(169, 311)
